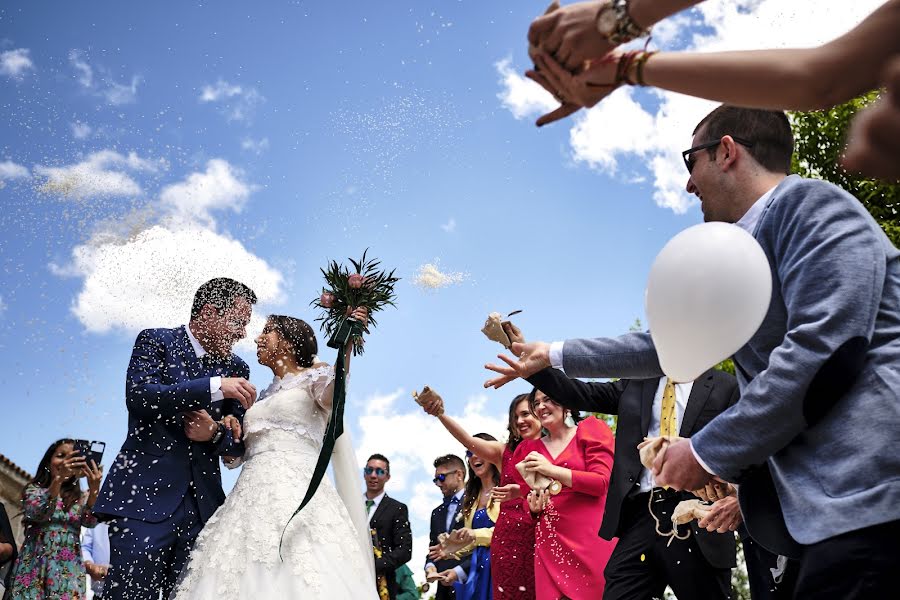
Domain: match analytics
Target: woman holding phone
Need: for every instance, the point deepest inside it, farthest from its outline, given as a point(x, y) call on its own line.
point(55, 508)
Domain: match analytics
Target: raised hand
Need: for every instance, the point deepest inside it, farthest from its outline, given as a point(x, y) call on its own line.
point(94, 475)
point(512, 332)
point(583, 89)
point(873, 148)
point(73, 465)
point(238, 388)
point(430, 401)
point(533, 357)
point(199, 426)
point(361, 314)
point(569, 33)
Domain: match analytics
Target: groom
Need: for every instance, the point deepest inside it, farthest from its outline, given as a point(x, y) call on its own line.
point(165, 482)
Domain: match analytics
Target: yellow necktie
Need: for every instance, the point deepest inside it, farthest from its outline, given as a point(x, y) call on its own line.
point(668, 419)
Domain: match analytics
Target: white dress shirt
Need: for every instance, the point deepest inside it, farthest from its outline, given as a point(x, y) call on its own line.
point(376, 500)
point(215, 383)
point(682, 393)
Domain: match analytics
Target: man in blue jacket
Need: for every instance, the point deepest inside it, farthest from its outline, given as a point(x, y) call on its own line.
point(165, 482)
point(811, 439)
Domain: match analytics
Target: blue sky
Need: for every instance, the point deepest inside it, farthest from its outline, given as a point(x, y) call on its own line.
point(146, 147)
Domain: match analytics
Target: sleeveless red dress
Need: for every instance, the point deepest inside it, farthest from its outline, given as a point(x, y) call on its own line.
point(512, 546)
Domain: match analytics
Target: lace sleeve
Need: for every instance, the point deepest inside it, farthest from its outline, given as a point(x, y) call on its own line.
point(321, 385)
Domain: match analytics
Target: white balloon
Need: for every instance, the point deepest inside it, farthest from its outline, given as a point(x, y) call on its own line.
point(707, 294)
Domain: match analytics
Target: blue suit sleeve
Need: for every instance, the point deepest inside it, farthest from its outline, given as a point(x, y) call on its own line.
point(145, 394)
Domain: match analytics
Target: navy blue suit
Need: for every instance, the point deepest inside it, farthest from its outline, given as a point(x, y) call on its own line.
point(163, 487)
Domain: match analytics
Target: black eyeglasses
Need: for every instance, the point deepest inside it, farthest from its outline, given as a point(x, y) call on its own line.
point(689, 162)
point(377, 470)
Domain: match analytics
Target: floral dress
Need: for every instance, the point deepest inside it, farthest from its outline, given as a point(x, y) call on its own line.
point(50, 565)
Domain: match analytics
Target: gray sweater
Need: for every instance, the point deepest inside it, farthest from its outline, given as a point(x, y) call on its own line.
point(820, 379)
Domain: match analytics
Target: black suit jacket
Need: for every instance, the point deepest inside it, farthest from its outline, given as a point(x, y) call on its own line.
point(632, 399)
point(439, 526)
point(394, 536)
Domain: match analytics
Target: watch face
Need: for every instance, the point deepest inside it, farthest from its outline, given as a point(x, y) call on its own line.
point(606, 20)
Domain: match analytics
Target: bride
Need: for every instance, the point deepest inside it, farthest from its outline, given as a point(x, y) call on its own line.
point(327, 548)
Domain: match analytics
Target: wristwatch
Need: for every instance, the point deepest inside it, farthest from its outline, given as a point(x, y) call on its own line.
point(220, 431)
point(616, 25)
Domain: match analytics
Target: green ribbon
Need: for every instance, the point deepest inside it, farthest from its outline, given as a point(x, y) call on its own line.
point(349, 328)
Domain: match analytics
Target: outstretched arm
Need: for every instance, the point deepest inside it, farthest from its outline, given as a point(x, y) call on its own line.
point(579, 395)
point(433, 404)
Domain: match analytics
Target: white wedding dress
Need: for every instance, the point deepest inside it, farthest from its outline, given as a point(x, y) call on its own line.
point(327, 552)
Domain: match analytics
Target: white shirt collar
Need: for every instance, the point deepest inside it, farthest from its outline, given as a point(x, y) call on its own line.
point(195, 343)
point(376, 499)
point(751, 217)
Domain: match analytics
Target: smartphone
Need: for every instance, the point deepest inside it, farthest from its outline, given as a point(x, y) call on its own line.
point(90, 450)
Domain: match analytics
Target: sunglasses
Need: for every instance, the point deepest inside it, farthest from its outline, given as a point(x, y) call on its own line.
point(377, 470)
point(469, 454)
point(688, 159)
point(441, 477)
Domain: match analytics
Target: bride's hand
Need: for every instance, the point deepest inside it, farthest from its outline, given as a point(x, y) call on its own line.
point(233, 425)
point(361, 314)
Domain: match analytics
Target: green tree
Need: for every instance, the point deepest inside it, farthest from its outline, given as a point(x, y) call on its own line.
point(819, 138)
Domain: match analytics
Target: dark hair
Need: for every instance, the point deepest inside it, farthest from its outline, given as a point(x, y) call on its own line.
point(450, 459)
point(512, 441)
point(473, 485)
point(532, 400)
point(221, 292)
point(382, 458)
point(300, 335)
point(70, 489)
point(768, 130)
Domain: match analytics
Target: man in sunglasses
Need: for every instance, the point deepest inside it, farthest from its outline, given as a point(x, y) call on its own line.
point(389, 522)
point(449, 476)
point(819, 380)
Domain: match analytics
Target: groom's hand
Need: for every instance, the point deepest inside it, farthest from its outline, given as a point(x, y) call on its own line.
point(533, 357)
point(199, 426)
point(239, 389)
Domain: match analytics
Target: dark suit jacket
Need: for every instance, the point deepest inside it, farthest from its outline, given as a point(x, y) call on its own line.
point(393, 535)
point(157, 462)
point(439, 526)
point(632, 400)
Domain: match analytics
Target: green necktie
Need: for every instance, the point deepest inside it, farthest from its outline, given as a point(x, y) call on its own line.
point(369, 505)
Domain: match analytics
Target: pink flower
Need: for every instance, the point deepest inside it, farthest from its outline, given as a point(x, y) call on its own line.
point(326, 300)
point(66, 554)
point(356, 281)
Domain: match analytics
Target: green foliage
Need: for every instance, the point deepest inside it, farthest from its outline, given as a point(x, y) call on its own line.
point(819, 138)
point(726, 365)
point(375, 291)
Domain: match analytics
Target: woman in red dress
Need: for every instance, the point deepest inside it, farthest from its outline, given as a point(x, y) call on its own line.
point(512, 545)
point(569, 556)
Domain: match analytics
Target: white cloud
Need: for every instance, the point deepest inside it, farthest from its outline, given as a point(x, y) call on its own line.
point(217, 188)
point(256, 146)
point(81, 130)
point(14, 63)
point(106, 87)
point(2, 306)
point(144, 272)
point(236, 102)
point(620, 127)
point(101, 174)
point(449, 226)
point(522, 96)
point(11, 170)
point(394, 425)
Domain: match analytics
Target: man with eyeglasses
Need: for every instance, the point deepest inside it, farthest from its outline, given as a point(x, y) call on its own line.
point(819, 380)
point(389, 523)
point(450, 477)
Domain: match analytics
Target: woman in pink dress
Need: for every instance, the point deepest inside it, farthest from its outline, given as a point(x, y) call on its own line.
point(569, 556)
point(512, 545)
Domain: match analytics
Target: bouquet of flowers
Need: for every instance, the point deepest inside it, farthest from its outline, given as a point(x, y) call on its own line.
point(345, 290)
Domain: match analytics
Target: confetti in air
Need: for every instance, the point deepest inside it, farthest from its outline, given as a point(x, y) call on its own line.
point(430, 277)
